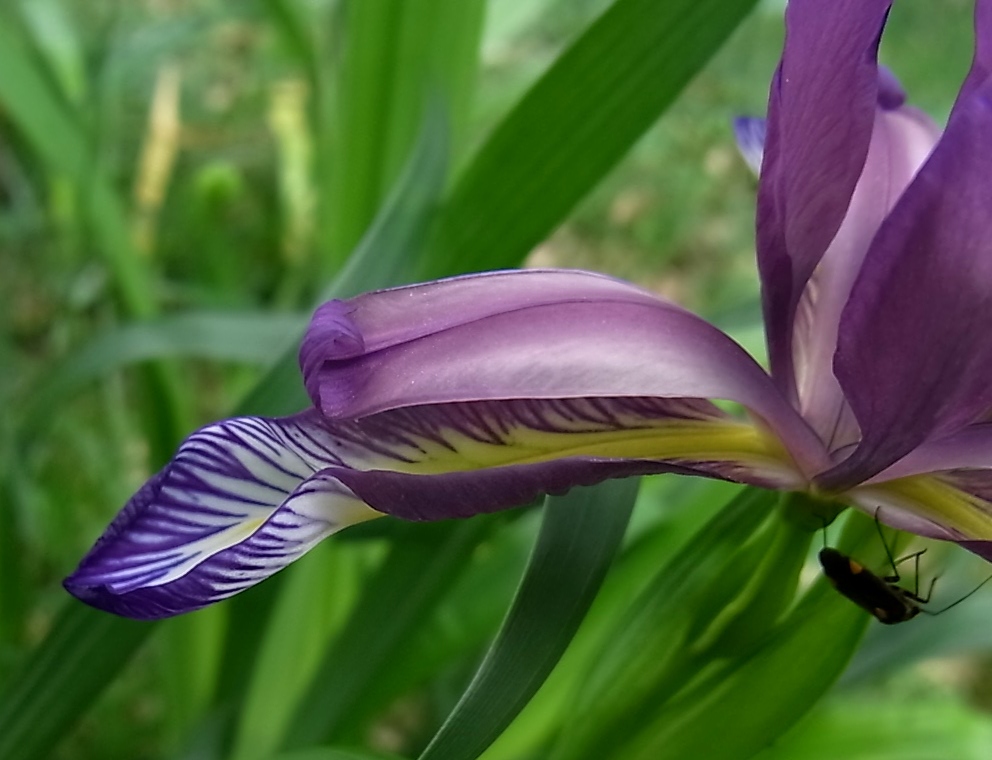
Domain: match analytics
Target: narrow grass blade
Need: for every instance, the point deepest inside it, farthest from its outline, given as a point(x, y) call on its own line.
point(578, 540)
point(296, 636)
point(288, 19)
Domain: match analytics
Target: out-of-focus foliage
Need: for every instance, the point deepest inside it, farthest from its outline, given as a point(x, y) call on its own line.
point(180, 182)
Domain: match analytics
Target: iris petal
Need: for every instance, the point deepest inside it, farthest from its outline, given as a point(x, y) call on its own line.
point(913, 354)
point(821, 112)
point(245, 497)
point(241, 499)
point(902, 139)
point(538, 335)
point(942, 489)
point(750, 134)
point(953, 506)
point(461, 459)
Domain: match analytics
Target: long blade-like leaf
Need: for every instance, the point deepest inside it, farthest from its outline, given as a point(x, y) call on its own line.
point(251, 338)
point(392, 56)
point(590, 107)
point(30, 102)
point(420, 568)
point(55, 684)
point(579, 537)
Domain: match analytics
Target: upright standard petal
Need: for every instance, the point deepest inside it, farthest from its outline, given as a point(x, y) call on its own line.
point(902, 139)
point(914, 356)
point(535, 335)
point(821, 111)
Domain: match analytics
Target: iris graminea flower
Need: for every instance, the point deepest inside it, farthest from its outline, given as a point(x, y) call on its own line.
point(479, 393)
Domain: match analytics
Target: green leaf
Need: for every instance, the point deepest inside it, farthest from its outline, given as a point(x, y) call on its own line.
point(57, 682)
point(779, 685)
point(296, 32)
point(572, 126)
point(393, 56)
point(646, 656)
point(322, 753)
point(904, 727)
point(296, 635)
point(632, 572)
point(251, 338)
point(578, 540)
point(779, 682)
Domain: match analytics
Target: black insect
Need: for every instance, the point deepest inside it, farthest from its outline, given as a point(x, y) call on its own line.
point(882, 596)
point(879, 595)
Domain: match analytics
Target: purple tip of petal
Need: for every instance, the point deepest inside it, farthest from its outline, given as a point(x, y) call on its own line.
point(241, 499)
point(890, 92)
point(85, 583)
point(89, 582)
point(142, 604)
point(750, 134)
point(332, 335)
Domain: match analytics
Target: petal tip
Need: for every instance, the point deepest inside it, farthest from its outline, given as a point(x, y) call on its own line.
point(331, 336)
point(749, 132)
point(135, 604)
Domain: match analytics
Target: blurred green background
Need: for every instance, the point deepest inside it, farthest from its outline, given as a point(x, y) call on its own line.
point(180, 183)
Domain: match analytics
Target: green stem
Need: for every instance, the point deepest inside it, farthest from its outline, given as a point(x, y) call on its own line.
point(745, 622)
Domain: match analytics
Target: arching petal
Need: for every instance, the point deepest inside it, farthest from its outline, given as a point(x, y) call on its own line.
point(820, 114)
point(942, 489)
point(951, 506)
point(914, 354)
point(532, 335)
point(244, 497)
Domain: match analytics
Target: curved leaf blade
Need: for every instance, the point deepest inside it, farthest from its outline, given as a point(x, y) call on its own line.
point(579, 537)
point(572, 126)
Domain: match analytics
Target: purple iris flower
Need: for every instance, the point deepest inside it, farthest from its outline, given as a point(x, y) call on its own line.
point(479, 393)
